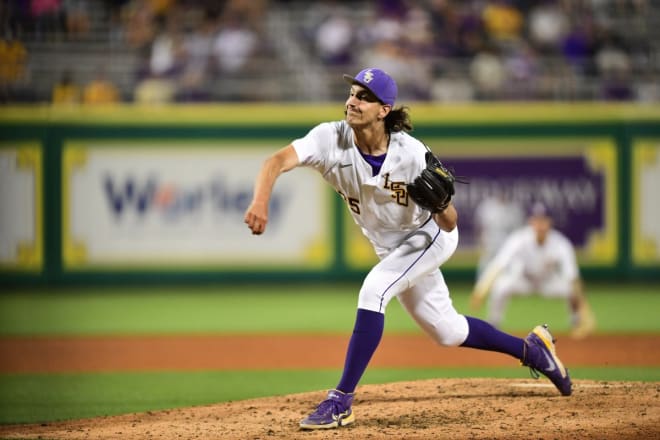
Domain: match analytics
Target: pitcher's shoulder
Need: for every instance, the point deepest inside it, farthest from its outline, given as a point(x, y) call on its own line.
point(409, 142)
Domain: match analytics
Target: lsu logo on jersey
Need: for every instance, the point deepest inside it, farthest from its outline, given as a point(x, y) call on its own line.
point(398, 189)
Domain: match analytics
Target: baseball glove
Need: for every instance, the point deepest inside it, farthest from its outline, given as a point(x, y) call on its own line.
point(434, 187)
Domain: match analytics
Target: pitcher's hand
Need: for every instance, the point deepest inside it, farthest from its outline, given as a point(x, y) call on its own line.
point(256, 217)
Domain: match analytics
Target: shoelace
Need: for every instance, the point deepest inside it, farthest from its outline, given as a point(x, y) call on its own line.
point(328, 406)
point(534, 373)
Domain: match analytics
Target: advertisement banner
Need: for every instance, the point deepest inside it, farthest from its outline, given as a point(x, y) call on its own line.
point(179, 205)
point(645, 224)
point(575, 178)
point(21, 238)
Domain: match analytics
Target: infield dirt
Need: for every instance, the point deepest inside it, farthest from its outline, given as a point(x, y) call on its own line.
point(429, 409)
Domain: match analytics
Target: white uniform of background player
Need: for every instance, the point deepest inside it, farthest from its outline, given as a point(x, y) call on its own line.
point(534, 259)
point(495, 218)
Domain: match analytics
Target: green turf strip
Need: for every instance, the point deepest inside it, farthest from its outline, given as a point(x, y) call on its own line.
point(252, 309)
point(297, 308)
point(30, 398)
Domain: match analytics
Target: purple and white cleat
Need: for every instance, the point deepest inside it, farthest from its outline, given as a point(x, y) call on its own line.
point(540, 357)
point(333, 412)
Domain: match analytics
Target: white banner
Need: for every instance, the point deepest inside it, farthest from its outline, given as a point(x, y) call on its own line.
point(20, 215)
point(645, 224)
point(180, 205)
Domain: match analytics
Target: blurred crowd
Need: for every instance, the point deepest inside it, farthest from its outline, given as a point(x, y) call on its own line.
point(187, 45)
point(439, 50)
point(498, 49)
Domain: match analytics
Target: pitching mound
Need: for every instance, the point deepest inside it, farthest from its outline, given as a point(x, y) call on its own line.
point(431, 409)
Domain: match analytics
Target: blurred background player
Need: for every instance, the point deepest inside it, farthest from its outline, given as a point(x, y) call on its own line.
point(535, 259)
point(496, 217)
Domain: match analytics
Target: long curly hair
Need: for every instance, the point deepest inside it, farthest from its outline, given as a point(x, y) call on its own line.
point(398, 119)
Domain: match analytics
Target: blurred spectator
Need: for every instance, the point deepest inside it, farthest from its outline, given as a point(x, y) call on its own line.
point(312, 18)
point(76, 13)
point(116, 10)
point(197, 57)
point(417, 32)
point(13, 56)
point(334, 38)
point(154, 90)
point(251, 12)
point(647, 89)
point(48, 18)
point(503, 22)
point(522, 71)
point(66, 91)
point(234, 45)
point(166, 58)
point(14, 17)
point(488, 74)
point(160, 8)
point(444, 25)
point(452, 86)
point(612, 57)
point(139, 24)
point(472, 36)
point(548, 25)
point(616, 86)
point(579, 46)
point(384, 25)
point(100, 90)
point(614, 67)
point(413, 74)
point(391, 8)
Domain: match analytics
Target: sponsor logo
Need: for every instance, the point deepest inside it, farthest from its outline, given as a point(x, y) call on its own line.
point(173, 201)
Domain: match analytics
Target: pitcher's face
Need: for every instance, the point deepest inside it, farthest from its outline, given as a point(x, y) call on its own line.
point(363, 108)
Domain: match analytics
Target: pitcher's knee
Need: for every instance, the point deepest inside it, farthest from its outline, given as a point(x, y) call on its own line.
point(379, 288)
point(451, 332)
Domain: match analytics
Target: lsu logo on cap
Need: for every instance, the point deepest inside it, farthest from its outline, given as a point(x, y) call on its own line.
point(368, 76)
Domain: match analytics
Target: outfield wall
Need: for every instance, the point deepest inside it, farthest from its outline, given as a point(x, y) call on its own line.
point(142, 194)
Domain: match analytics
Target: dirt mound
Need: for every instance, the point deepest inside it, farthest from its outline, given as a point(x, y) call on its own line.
point(430, 409)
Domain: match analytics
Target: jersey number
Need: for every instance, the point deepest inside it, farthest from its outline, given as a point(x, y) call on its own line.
point(353, 204)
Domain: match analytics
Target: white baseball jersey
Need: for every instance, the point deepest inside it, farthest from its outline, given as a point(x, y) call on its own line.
point(411, 246)
point(495, 219)
point(537, 263)
point(379, 204)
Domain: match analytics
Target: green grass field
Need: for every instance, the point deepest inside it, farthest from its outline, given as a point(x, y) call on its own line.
point(252, 309)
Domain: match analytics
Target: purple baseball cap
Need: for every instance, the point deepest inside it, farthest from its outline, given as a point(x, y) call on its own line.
point(377, 82)
point(539, 209)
